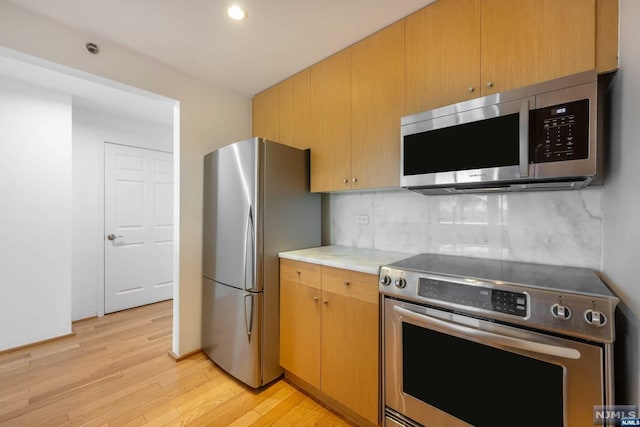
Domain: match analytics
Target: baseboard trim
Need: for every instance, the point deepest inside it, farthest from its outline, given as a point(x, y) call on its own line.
point(84, 319)
point(327, 401)
point(33, 344)
point(184, 356)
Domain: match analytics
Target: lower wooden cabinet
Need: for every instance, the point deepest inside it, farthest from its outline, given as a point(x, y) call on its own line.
point(300, 320)
point(329, 333)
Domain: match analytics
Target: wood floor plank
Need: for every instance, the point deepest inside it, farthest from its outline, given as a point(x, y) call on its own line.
point(116, 371)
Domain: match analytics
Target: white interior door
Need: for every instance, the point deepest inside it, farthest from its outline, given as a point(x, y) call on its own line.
point(138, 227)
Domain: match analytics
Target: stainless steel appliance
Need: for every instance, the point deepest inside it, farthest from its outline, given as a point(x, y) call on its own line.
point(486, 343)
point(540, 137)
point(256, 204)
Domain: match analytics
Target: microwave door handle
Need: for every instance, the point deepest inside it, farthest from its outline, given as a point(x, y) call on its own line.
point(506, 341)
point(524, 138)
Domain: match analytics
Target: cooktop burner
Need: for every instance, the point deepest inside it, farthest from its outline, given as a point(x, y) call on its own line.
point(567, 300)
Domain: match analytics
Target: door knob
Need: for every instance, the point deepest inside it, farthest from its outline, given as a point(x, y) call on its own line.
point(112, 236)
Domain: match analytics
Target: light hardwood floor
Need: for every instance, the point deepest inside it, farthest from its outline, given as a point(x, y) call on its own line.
point(116, 371)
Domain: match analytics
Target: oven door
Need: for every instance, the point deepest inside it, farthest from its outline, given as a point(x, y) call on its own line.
point(447, 370)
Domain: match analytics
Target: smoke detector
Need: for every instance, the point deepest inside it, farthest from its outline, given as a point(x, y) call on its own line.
point(92, 48)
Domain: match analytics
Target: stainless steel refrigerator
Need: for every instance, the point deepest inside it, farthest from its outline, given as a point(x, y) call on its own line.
point(256, 204)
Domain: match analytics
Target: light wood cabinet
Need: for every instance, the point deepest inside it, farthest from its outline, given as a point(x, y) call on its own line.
point(266, 114)
point(442, 46)
point(607, 12)
point(347, 108)
point(300, 319)
point(349, 351)
point(295, 93)
point(377, 88)
point(331, 123)
point(530, 41)
point(496, 45)
point(332, 344)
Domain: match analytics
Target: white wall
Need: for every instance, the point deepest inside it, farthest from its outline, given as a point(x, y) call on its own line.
point(551, 227)
point(35, 219)
point(210, 117)
point(91, 129)
point(621, 245)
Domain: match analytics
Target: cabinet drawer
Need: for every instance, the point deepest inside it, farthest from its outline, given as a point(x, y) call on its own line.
point(300, 272)
point(349, 283)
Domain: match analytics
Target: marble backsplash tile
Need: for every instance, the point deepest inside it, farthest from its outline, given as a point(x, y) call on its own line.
point(561, 227)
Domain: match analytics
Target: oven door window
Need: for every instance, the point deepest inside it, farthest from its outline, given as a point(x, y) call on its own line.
point(487, 387)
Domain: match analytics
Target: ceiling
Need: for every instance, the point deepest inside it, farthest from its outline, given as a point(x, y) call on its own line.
point(278, 39)
point(86, 91)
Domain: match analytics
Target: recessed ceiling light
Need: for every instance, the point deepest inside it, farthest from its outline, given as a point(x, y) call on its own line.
point(236, 12)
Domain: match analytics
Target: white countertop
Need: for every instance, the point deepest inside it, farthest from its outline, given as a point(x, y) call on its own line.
point(356, 259)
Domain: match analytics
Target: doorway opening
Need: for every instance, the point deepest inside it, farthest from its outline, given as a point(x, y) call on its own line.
point(102, 110)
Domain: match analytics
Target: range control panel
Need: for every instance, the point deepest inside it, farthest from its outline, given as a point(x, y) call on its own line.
point(560, 132)
point(572, 314)
point(508, 302)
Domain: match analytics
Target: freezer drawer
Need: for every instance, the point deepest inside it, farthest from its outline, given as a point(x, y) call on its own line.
point(231, 330)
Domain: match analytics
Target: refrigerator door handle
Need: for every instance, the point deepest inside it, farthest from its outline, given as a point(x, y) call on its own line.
point(248, 323)
point(250, 233)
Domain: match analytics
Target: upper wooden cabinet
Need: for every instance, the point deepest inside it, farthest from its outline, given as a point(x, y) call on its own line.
point(347, 108)
point(266, 114)
point(442, 62)
point(295, 106)
point(607, 12)
point(377, 88)
point(331, 123)
point(530, 41)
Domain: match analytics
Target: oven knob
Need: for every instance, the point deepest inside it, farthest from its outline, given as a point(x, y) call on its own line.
point(385, 280)
point(401, 282)
point(595, 318)
point(560, 311)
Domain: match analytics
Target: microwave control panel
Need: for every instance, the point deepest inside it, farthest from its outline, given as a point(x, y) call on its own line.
point(560, 132)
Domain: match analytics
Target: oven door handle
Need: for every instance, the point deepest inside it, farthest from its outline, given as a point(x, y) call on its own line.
point(506, 341)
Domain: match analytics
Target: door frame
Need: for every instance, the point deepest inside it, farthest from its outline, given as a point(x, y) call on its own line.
point(102, 216)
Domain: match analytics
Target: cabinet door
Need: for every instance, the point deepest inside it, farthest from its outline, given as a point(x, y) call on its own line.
point(300, 315)
point(529, 41)
point(331, 123)
point(607, 12)
point(442, 50)
point(266, 114)
point(295, 110)
point(377, 87)
point(349, 362)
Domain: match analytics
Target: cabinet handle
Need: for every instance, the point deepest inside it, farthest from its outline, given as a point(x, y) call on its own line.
point(298, 273)
point(325, 301)
point(355, 180)
point(315, 299)
point(489, 84)
point(472, 89)
point(347, 283)
point(346, 181)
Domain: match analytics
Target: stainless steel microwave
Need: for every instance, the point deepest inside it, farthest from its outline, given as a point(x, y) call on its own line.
point(539, 137)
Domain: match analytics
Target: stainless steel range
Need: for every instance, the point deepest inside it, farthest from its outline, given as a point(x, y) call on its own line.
point(487, 343)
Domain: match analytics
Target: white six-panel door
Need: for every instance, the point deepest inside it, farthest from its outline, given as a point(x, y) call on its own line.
point(138, 227)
